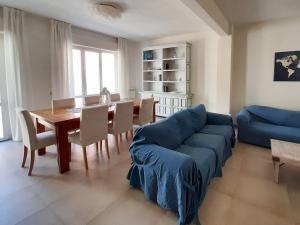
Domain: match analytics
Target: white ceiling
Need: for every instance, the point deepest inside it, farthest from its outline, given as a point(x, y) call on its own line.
point(248, 11)
point(141, 20)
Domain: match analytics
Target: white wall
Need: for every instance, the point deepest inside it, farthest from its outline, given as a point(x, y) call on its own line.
point(253, 64)
point(207, 75)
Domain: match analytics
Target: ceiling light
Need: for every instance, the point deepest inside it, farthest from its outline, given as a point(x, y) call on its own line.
point(108, 9)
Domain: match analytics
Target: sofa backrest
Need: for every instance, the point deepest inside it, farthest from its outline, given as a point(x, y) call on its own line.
point(172, 131)
point(276, 116)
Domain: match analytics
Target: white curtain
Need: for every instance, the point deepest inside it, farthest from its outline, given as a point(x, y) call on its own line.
point(17, 75)
point(123, 68)
point(61, 60)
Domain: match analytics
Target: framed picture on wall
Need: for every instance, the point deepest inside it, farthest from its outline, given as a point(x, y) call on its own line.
point(287, 66)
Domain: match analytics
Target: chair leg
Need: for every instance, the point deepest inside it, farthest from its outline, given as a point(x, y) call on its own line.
point(85, 158)
point(107, 149)
point(100, 143)
point(31, 162)
point(131, 132)
point(97, 147)
point(120, 136)
point(117, 143)
point(126, 133)
point(24, 156)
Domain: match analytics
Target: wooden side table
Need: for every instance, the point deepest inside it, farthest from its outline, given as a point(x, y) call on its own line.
point(284, 152)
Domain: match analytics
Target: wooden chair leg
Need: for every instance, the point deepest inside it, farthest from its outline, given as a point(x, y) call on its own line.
point(24, 156)
point(97, 147)
point(126, 133)
point(85, 158)
point(131, 132)
point(107, 149)
point(100, 143)
point(31, 162)
point(120, 136)
point(117, 143)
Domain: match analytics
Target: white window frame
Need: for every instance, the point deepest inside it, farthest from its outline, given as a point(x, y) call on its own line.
point(82, 48)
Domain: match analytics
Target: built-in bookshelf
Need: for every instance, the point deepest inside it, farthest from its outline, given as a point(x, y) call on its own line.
point(166, 76)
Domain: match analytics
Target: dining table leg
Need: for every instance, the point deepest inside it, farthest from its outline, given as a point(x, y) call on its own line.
point(63, 148)
point(40, 128)
point(154, 116)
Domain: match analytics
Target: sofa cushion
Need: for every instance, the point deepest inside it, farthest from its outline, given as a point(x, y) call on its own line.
point(276, 132)
point(224, 130)
point(205, 160)
point(165, 133)
point(276, 116)
point(198, 117)
point(214, 142)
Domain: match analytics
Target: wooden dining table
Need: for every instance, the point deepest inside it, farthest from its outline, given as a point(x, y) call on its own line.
point(64, 120)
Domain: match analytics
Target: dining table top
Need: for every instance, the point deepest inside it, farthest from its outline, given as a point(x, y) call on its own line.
point(54, 116)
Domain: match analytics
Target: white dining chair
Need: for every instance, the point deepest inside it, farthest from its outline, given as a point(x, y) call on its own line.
point(114, 97)
point(63, 103)
point(93, 129)
point(31, 140)
point(145, 112)
point(92, 100)
point(122, 121)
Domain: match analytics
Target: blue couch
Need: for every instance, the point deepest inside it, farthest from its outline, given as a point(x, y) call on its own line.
point(174, 160)
point(259, 124)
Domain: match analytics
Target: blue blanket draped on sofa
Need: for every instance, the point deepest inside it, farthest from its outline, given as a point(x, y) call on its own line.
point(174, 160)
point(259, 124)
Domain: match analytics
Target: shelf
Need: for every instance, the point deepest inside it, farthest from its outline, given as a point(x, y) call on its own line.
point(152, 81)
point(149, 71)
point(173, 70)
point(168, 59)
point(151, 60)
point(175, 81)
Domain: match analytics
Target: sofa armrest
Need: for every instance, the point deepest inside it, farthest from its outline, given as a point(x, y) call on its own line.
point(243, 117)
point(219, 119)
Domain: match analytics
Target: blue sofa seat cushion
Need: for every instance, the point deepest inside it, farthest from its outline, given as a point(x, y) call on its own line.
point(214, 142)
point(224, 130)
point(275, 132)
point(206, 162)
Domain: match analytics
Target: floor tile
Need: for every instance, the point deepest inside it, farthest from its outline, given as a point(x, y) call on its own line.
point(215, 208)
point(42, 217)
point(19, 205)
point(242, 213)
point(263, 193)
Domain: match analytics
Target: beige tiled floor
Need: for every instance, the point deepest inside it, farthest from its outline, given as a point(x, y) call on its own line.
point(246, 194)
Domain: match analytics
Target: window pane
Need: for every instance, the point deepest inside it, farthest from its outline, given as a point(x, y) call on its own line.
point(92, 72)
point(77, 72)
point(108, 71)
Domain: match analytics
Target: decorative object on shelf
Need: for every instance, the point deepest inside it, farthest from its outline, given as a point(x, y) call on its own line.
point(160, 77)
point(148, 55)
point(105, 96)
point(166, 88)
point(167, 66)
point(287, 66)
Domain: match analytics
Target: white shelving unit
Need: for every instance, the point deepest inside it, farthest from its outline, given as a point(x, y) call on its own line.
point(166, 77)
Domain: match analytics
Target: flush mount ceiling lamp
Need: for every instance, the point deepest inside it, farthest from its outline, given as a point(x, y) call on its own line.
point(108, 9)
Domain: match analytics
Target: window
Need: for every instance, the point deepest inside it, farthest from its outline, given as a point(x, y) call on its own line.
point(93, 69)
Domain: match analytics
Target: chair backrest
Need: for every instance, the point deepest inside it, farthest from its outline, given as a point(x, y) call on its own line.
point(123, 117)
point(146, 110)
point(90, 100)
point(27, 128)
point(93, 124)
point(63, 103)
point(115, 97)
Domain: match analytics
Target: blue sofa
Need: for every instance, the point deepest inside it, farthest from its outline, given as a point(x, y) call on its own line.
point(259, 124)
point(174, 160)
